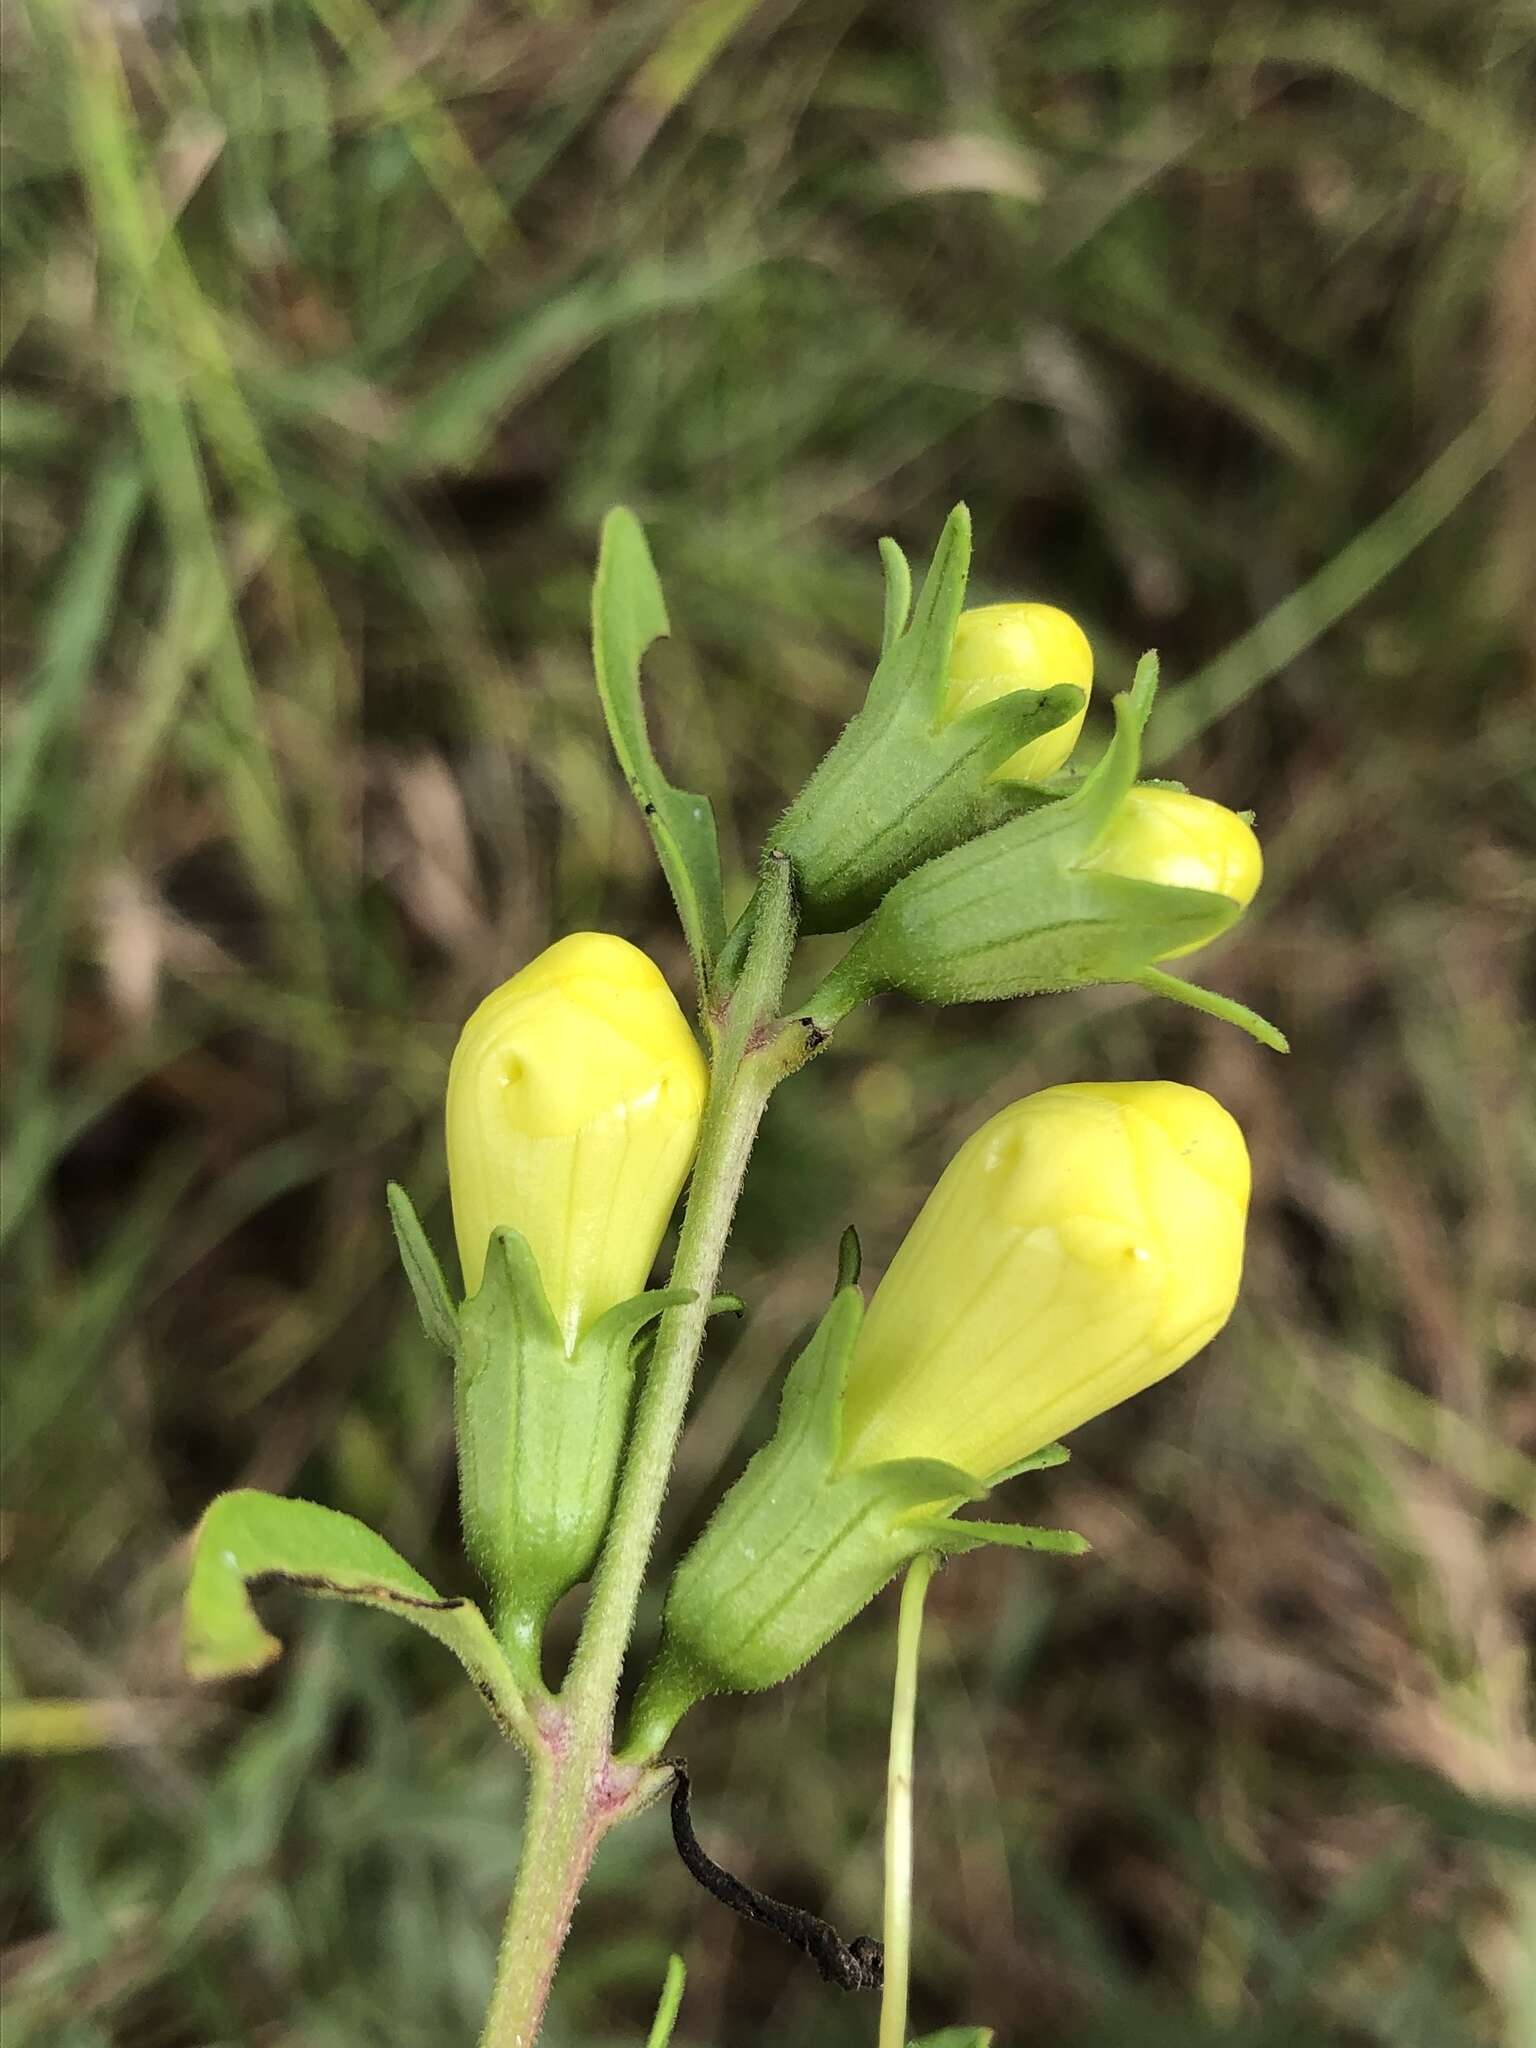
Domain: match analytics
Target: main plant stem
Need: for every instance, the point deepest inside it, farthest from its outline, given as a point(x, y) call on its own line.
point(577, 1792)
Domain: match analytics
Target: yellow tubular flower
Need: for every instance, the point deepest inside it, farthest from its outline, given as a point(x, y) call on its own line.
point(1182, 841)
point(999, 648)
point(574, 1102)
point(1080, 1246)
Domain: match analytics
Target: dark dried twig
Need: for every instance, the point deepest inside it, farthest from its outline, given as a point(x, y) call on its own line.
point(858, 1965)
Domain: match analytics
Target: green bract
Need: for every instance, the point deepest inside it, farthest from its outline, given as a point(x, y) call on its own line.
point(1017, 910)
point(903, 784)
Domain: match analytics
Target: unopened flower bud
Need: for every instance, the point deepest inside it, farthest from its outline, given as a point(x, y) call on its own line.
point(574, 1102)
point(1082, 1244)
point(1180, 841)
point(913, 773)
point(1094, 886)
point(999, 648)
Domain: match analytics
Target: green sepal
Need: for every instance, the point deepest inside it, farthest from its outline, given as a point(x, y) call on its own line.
point(672, 1297)
point(434, 1304)
point(1210, 1004)
point(1044, 1460)
point(811, 1404)
point(850, 1258)
point(902, 784)
point(955, 1538)
point(898, 593)
point(1006, 927)
point(248, 1539)
point(628, 613)
point(540, 1434)
point(917, 662)
point(625, 1321)
point(796, 1548)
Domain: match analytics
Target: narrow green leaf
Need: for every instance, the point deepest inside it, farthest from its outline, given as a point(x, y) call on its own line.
point(449, 427)
point(628, 613)
point(76, 626)
point(670, 2002)
point(957, 2037)
point(898, 593)
point(1206, 1000)
point(249, 1539)
point(957, 1537)
point(434, 1304)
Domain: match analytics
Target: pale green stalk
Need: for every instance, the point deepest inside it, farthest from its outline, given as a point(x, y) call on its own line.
point(898, 1806)
point(577, 1791)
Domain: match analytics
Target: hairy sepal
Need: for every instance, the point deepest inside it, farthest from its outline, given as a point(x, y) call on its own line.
point(540, 1433)
point(902, 784)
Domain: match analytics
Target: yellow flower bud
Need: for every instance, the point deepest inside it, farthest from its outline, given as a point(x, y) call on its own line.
point(574, 1102)
point(1183, 842)
point(999, 648)
point(1081, 1245)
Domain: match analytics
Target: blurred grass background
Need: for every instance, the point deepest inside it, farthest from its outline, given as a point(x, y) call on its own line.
point(329, 335)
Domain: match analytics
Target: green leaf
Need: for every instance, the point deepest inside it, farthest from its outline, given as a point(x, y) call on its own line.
point(667, 2008)
point(628, 613)
point(957, 2037)
point(898, 593)
point(449, 426)
point(77, 620)
point(959, 1537)
point(249, 1539)
point(434, 1304)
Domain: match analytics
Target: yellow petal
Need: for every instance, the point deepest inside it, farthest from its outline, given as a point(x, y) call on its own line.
point(574, 1101)
point(999, 648)
point(1084, 1243)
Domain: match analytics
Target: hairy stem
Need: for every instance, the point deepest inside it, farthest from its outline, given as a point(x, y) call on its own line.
point(577, 1791)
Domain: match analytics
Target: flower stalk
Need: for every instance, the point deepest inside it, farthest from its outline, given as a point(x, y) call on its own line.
point(898, 1805)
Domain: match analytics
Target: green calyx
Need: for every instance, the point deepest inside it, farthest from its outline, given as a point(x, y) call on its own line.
point(799, 1545)
point(1014, 911)
point(540, 1433)
point(902, 784)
